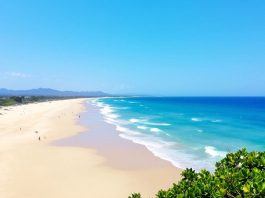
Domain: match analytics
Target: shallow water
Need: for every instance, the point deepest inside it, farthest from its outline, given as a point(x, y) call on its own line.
point(189, 132)
point(103, 138)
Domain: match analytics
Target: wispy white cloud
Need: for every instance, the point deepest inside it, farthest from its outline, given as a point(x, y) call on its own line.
point(17, 75)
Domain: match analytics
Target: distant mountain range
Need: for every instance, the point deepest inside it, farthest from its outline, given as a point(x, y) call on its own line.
point(51, 92)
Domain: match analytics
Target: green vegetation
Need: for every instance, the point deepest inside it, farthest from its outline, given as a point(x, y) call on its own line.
point(135, 195)
point(7, 102)
point(13, 100)
point(240, 174)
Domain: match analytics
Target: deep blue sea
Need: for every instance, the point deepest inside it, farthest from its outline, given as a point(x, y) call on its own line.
point(189, 131)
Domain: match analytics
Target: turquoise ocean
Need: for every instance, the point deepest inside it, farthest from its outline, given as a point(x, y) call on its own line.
point(188, 131)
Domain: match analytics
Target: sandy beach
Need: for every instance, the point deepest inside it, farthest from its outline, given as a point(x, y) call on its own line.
point(49, 150)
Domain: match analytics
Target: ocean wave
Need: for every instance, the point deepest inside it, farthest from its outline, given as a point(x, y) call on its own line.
point(121, 129)
point(114, 116)
point(157, 124)
point(114, 121)
point(216, 120)
point(126, 130)
point(131, 102)
point(210, 150)
point(196, 119)
point(155, 130)
point(99, 104)
point(169, 151)
point(110, 120)
point(145, 122)
point(147, 140)
point(160, 146)
point(92, 101)
point(142, 127)
point(106, 109)
point(122, 108)
point(109, 113)
point(134, 120)
point(121, 100)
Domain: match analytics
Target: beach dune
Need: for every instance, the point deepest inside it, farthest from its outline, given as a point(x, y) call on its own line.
point(32, 166)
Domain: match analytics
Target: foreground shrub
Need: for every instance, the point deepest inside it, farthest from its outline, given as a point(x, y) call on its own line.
point(239, 174)
point(135, 195)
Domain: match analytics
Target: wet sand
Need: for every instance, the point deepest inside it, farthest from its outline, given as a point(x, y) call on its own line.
point(104, 138)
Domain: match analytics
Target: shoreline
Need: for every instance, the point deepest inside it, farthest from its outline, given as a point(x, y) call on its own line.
point(36, 168)
point(106, 140)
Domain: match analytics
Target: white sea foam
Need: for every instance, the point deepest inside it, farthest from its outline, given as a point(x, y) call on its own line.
point(213, 152)
point(114, 121)
point(148, 141)
point(121, 108)
point(144, 121)
point(134, 120)
point(142, 127)
point(155, 130)
point(163, 149)
point(92, 101)
point(127, 131)
point(169, 151)
point(108, 112)
point(99, 104)
point(131, 102)
point(121, 129)
point(157, 124)
point(216, 121)
point(106, 109)
point(119, 100)
point(110, 120)
point(114, 116)
point(196, 119)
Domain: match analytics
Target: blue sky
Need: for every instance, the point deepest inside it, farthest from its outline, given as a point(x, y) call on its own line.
point(158, 47)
